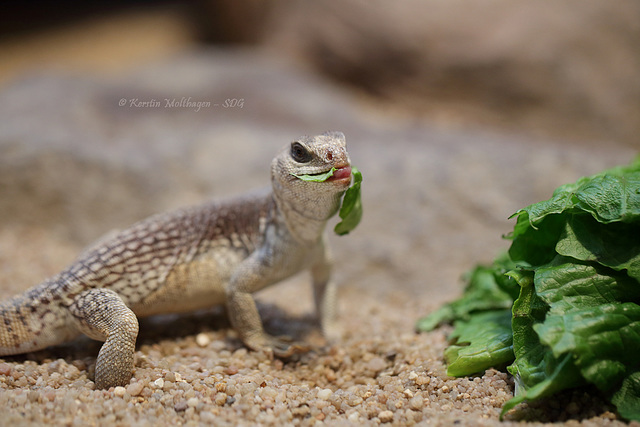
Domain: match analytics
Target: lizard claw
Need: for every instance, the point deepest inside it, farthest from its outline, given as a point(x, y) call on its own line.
point(284, 346)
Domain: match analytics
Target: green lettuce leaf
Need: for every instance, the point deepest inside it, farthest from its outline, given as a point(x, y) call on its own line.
point(319, 177)
point(485, 340)
point(561, 374)
point(627, 397)
point(610, 196)
point(535, 245)
point(591, 317)
point(532, 361)
point(568, 284)
point(615, 245)
point(604, 341)
point(351, 209)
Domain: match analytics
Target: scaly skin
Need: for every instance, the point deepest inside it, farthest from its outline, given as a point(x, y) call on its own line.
point(217, 253)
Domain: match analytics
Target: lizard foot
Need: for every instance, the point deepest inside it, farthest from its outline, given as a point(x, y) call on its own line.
point(102, 315)
point(284, 347)
point(281, 346)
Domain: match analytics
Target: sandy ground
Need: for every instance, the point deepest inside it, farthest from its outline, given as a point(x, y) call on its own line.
point(192, 369)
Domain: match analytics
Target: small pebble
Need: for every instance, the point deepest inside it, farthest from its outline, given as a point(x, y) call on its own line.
point(203, 340)
point(221, 399)
point(330, 374)
point(181, 406)
point(231, 370)
point(119, 391)
point(325, 394)
point(385, 416)
point(354, 417)
point(376, 364)
point(422, 380)
point(208, 418)
point(416, 403)
point(5, 369)
point(136, 388)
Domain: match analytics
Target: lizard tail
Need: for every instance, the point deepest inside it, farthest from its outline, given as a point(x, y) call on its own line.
point(32, 321)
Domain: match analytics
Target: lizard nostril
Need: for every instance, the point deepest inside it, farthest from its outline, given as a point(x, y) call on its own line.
point(329, 156)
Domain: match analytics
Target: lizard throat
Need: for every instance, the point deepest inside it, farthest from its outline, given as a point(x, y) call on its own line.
point(306, 218)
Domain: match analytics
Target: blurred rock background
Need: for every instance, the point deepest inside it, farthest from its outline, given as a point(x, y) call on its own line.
point(458, 113)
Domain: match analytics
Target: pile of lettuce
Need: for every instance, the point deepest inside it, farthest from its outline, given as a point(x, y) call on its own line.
point(562, 308)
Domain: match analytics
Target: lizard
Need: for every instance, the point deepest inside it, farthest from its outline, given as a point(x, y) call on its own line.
point(218, 253)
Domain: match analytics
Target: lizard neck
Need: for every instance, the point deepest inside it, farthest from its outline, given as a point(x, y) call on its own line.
point(305, 215)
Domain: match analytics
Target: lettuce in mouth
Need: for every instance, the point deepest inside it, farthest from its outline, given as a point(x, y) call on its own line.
point(563, 307)
point(351, 209)
point(318, 177)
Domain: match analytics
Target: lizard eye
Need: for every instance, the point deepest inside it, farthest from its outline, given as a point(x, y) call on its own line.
point(299, 153)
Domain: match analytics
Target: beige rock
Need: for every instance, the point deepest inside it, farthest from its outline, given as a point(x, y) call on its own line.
point(567, 67)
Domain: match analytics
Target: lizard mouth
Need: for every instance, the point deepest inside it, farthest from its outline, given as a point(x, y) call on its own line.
point(341, 174)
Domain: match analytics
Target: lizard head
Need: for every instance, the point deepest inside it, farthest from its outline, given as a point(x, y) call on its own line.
point(312, 156)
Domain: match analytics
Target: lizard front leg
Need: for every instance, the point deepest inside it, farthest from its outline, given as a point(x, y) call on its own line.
point(102, 315)
point(243, 313)
point(325, 295)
